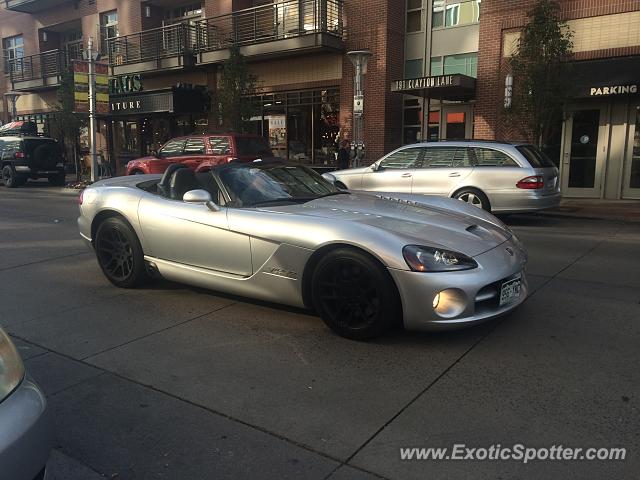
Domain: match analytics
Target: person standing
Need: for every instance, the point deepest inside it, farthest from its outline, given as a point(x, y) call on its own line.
point(343, 155)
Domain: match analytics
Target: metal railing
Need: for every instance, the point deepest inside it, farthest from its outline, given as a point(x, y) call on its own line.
point(271, 22)
point(265, 23)
point(161, 42)
point(39, 66)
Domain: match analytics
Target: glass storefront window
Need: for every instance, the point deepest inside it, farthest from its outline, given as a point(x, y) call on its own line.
point(634, 181)
point(301, 126)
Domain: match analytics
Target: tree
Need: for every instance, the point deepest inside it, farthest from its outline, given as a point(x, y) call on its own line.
point(67, 124)
point(540, 71)
point(237, 86)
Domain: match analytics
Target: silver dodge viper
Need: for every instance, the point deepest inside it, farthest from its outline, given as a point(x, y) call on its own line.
point(273, 231)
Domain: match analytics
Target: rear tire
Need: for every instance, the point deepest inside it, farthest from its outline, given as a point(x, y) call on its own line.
point(119, 253)
point(11, 180)
point(354, 294)
point(473, 197)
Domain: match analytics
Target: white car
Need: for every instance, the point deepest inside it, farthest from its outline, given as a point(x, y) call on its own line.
point(496, 176)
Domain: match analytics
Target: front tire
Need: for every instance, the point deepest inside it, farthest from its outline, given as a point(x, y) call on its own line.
point(120, 254)
point(473, 197)
point(354, 294)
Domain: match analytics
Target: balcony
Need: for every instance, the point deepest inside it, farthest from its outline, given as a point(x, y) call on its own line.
point(32, 6)
point(285, 28)
point(276, 29)
point(163, 48)
point(40, 71)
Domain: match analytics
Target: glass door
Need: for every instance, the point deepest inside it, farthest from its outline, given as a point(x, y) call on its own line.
point(631, 185)
point(456, 122)
point(584, 152)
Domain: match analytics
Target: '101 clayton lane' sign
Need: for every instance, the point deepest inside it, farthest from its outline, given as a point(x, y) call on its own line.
point(422, 83)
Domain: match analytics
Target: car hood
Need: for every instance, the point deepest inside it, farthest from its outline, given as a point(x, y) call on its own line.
point(144, 159)
point(416, 219)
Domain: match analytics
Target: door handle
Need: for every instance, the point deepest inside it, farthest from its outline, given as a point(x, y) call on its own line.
point(454, 174)
point(406, 175)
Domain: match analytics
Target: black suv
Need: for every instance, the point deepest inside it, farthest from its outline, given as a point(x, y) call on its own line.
point(24, 154)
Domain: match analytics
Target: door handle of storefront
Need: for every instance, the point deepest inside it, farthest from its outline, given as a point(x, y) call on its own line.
point(406, 175)
point(454, 174)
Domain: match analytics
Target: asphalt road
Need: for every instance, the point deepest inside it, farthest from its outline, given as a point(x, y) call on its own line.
point(172, 382)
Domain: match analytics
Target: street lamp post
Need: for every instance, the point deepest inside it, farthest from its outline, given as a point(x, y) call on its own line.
point(91, 56)
point(359, 59)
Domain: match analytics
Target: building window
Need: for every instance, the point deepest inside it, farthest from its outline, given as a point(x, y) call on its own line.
point(186, 12)
point(413, 68)
point(452, 13)
point(108, 28)
point(464, 63)
point(436, 66)
point(13, 52)
point(414, 16)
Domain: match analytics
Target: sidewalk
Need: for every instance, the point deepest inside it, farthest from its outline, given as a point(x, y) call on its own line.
point(621, 210)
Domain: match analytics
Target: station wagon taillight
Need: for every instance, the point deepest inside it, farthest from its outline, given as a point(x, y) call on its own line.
point(533, 182)
point(19, 155)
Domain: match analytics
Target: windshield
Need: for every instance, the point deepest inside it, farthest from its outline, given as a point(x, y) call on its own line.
point(252, 146)
point(253, 186)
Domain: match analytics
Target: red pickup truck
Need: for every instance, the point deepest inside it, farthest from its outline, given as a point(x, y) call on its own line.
point(201, 152)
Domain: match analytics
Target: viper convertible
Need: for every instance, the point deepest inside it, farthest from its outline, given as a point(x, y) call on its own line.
point(365, 262)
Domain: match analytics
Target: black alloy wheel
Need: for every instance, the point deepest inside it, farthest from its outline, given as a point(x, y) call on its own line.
point(119, 253)
point(354, 294)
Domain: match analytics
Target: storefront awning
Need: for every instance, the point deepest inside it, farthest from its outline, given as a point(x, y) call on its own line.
point(170, 100)
point(442, 87)
point(606, 77)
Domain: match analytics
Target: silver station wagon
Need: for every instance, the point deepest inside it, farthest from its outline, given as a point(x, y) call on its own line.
point(498, 177)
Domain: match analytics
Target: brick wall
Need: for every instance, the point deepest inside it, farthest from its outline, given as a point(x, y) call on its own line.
point(497, 16)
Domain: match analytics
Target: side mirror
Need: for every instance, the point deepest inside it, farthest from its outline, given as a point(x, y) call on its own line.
point(155, 153)
point(375, 167)
point(329, 177)
point(200, 196)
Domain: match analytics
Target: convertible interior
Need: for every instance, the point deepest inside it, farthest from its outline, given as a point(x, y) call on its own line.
point(178, 179)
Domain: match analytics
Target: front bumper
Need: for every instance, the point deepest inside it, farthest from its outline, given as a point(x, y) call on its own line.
point(25, 433)
point(478, 289)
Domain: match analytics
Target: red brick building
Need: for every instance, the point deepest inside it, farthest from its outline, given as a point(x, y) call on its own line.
point(597, 145)
point(437, 71)
point(296, 49)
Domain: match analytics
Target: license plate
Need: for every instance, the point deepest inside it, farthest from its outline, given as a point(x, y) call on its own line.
point(510, 291)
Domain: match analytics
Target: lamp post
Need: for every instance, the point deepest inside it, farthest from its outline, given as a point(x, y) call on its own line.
point(12, 98)
point(91, 55)
point(359, 59)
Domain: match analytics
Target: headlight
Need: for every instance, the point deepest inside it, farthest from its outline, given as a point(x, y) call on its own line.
point(11, 367)
point(431, 259)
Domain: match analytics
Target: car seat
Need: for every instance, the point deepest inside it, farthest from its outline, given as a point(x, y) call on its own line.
point(182, 181)
point(164, 184)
